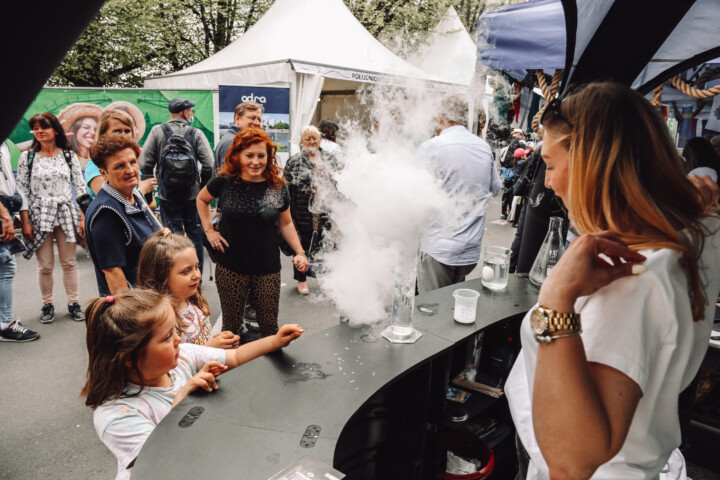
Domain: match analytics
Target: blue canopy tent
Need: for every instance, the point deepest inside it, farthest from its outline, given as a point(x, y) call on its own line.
point(522, 37)
point(641, 43)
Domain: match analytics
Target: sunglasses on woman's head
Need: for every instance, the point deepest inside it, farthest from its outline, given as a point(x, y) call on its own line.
point(554, 108)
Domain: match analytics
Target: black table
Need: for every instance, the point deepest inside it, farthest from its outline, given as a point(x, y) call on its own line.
point(360, 394)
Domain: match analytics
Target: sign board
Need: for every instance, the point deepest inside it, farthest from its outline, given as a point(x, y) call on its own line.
point(275, 118)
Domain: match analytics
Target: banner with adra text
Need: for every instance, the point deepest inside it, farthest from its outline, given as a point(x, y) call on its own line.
point(276, 114)
point(79, 109)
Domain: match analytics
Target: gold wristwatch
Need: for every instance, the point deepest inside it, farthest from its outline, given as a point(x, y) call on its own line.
point(547, 325)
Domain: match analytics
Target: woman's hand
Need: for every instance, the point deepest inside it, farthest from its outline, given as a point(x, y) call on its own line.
point(148, 185)
point(81, 227)
point(581, 270)
point(28, 231)
point(216, 241)
point(300, 262)
point(8, 227)
point(225, 339)
point(287, 334)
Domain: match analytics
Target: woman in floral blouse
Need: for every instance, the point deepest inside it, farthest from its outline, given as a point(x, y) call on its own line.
point(46, 176)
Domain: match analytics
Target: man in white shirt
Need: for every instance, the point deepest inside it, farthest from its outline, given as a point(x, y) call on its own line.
point(463, 163)
point(10, 330)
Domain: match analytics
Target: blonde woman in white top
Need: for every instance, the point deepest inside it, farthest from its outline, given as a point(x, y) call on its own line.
point(623, 320)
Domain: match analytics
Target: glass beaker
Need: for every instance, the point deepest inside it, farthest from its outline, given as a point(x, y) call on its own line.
point(465, 305)
point(496, 262)
point(550, 252)
point(401, 328)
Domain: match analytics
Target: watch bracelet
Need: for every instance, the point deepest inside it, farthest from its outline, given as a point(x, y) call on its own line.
point(546, 339)
point(564, 321)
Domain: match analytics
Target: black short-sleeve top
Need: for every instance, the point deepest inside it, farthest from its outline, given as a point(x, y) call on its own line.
point(249, 223)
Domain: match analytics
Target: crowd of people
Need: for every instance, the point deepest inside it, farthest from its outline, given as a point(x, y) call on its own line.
point(119, 215)
point(645, 264)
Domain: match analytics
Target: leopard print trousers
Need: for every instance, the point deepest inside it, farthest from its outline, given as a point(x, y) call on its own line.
point(233, 290)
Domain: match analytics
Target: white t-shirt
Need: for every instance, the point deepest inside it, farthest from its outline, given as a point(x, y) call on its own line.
point(7, 179)
point(124, 424)
point(332, 147)
point(643, 327)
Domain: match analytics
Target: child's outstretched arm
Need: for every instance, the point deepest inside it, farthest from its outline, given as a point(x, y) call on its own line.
point(252, 350)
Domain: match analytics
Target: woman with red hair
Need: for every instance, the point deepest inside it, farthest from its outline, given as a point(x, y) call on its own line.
point(254, 202)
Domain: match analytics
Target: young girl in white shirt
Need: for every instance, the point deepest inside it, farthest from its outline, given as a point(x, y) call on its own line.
point(169, 264)
point(138, 369)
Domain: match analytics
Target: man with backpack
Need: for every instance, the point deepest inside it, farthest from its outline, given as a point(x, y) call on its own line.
point(181, 159)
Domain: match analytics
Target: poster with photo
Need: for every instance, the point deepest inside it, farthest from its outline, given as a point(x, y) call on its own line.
point(79, 109)
point(276, 115)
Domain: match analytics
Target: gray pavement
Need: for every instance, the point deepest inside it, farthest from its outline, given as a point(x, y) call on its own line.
point(47, 432)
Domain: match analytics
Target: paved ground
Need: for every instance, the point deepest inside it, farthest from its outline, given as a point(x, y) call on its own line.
point(46, 431)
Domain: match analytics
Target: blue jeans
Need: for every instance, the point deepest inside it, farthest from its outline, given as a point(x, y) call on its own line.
point(7, 274)
point(182, 218)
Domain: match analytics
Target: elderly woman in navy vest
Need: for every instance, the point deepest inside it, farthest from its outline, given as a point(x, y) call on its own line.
point(118, 221)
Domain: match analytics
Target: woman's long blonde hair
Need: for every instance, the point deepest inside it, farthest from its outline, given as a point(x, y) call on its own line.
point(626, 176)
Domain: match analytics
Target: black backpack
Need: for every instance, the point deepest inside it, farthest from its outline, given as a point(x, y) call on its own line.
point(177, 168)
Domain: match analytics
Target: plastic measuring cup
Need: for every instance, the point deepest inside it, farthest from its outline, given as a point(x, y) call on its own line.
point(465, 305)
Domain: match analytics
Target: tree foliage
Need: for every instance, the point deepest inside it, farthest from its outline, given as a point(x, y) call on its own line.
point(387, 18)
point(130, 40)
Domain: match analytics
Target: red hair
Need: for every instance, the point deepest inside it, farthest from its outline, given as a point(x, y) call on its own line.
point(245, 139)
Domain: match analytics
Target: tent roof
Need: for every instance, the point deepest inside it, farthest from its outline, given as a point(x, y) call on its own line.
point(449, 51)
point(523, 36)
point(316, 32)
point(665, 42)
point(633, 42)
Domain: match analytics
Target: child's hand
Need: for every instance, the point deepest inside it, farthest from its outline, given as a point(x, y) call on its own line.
point(205, 378)
point(225, 339)
point(287, 334)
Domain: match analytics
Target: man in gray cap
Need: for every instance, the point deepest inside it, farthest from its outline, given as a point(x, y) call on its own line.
point(186, 147)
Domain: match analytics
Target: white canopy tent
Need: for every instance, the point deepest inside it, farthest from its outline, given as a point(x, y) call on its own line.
point(449, 51)
point(311, 46)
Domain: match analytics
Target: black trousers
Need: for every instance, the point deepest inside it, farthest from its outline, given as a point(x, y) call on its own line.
point(507, 196)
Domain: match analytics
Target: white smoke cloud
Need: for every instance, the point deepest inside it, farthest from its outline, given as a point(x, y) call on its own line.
point(379, 203)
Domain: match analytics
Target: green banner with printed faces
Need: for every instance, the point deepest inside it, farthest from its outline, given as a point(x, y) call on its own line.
point(79, 109)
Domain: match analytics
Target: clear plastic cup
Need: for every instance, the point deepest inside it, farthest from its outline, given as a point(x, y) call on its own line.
point(495, 266)
point(465, 305)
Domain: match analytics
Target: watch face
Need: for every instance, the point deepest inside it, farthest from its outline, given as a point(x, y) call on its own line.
point(538, 321)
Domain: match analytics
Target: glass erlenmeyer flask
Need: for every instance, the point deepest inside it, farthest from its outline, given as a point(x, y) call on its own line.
point(550, 252)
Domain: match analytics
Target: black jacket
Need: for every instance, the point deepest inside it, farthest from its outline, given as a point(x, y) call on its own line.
point(299, 171)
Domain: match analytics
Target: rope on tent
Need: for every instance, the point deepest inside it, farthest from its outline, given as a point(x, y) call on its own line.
point(694, 92)
point(657, 96)
point(549, 94)
point(707, 75)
